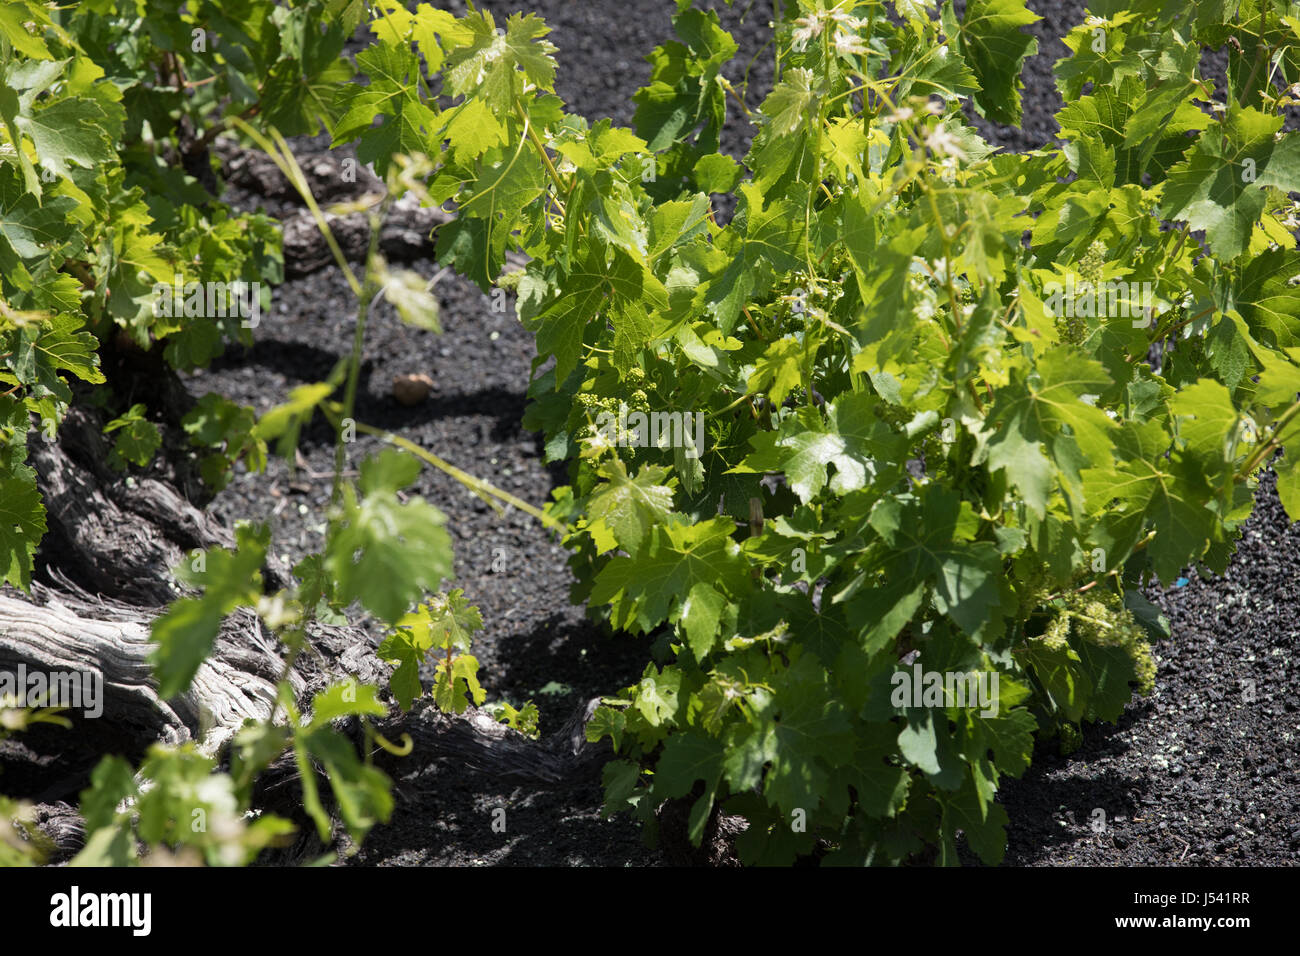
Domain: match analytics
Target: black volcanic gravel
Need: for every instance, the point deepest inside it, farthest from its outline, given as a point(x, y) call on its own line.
point(1196, 774)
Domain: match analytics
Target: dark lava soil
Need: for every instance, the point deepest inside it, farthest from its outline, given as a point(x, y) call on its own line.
point(1201, 773)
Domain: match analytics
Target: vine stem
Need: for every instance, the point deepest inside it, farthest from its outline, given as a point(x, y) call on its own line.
point(480, 487)
point(364, 299)
point(536, 140)
point(293, 172)
point(1267, 448)
point(365, 290)
point(808, 204)
point(1113, 573)
point(278, 149)
point(735, 96)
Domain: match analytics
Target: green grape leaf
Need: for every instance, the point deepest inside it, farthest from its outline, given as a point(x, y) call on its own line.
point(111, 782)
point(623, 509)
point(812, 736)
point(451, 686)
point(880, 784)
point(657, 692)
point(71, 130)
point(346, 699)
point(14, 18)
point(676, 558)
point(931, 542)
point(762, 243)
point(494, 63)
point(983, 823)
point(687, 758)
point(717, 173)
point(561, 320)
point(991, 42)
point(1266, 299)
point(138, 441)
point(384, 553)
point(779, 371)
point(1041, 418)
point(446, 623)
point(927, 743)
point(362, 792)
point(607, 722)
point(1219, 186)
point(852, 439)
point(1008, 735)
point(474, 243)
point(1143, 487)
point(22, 525)
point(285, 421)
point(1111, 670)
point(793, 103)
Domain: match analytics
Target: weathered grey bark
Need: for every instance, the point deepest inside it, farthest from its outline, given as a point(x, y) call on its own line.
point(109, 643)
point(406, 233)
point(114, 534)
point(332, 176)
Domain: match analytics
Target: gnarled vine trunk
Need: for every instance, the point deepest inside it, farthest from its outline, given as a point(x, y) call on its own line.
point(105, 572)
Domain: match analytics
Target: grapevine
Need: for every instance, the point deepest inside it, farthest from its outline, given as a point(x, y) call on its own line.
point(918, 409)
